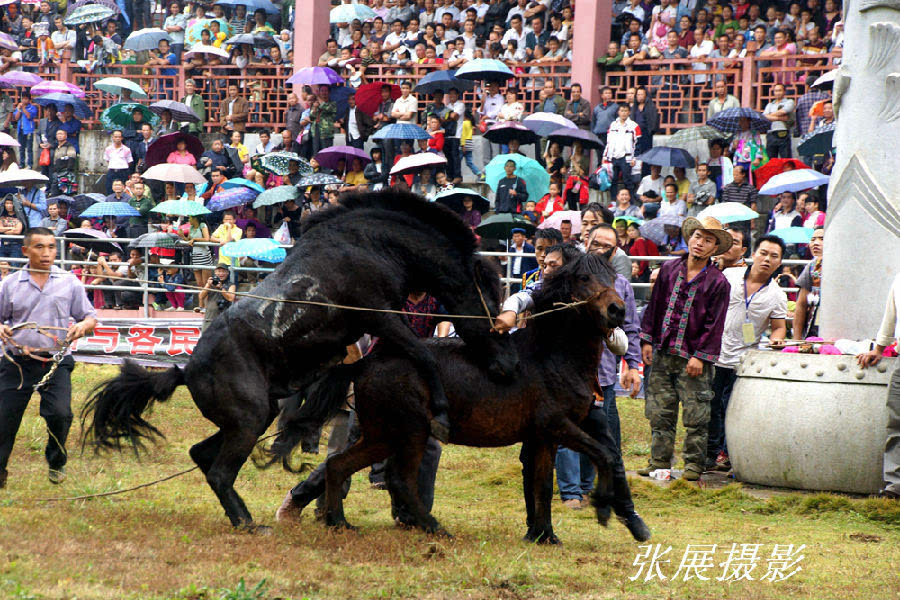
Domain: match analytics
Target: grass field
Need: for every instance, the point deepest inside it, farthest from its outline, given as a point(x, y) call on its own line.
point(173, 541)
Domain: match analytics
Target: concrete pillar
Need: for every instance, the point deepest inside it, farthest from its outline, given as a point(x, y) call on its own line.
point(593, 18)
point(311, 29)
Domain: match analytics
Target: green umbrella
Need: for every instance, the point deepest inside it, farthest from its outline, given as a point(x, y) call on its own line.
point(276, 163)
point(499, 227)
point(119, 116)
point(696, 134)
point(277, 195)
point(628, 219)
point(537, 179)
point(183, 208)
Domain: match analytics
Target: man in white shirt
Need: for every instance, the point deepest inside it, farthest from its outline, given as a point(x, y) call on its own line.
point(785, 214)
point(395, 38)
point(448, 8)
point(621, 139)
point(490, 109)
point(516, 33)
point(654, 181)
point(63, 39)
point(757, 303)
point(405, 107)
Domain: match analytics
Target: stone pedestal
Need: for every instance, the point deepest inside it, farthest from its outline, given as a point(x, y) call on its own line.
point(809, 422)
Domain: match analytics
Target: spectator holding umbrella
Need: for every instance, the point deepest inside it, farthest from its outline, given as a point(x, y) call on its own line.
point(322, 116)
point(25, 117)
point(180, 155)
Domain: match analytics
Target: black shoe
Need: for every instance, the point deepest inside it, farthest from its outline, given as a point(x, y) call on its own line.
point(636, 526)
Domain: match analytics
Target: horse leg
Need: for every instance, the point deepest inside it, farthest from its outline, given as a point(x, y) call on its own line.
point(541, 528)
point(340, 467)
point(205, 452)
point(402, 478)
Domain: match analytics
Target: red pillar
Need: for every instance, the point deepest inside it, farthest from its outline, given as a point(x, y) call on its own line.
point(593, 19)
point(311, 28)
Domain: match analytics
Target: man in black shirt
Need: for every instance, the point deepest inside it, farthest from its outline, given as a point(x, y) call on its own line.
point(511, 191)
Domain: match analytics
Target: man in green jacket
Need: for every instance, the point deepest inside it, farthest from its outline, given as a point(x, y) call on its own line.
point(195, 101)
point(323, 113)
point(142, 203)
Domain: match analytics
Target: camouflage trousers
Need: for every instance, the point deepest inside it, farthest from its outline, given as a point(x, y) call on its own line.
point(669, 384)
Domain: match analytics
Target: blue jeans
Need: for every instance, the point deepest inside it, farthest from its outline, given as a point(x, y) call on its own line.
point(27, 148)
point(723, 383)
point(574, 471)
point(471, 163)
point(11, 249)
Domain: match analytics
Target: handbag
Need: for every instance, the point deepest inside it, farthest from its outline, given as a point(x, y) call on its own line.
point(482, 126)
point(44, 159)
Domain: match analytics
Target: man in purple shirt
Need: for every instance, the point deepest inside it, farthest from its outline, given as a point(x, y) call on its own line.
point(46, 295)
point(681, 334)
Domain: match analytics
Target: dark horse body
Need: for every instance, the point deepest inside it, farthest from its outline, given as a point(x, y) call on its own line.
point(542, 407)
point(369, 251)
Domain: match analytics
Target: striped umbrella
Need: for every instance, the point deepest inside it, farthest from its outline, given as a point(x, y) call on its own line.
point(182, 208)
point(60, 87)
point(110, 209)
point(83, 201)
point(231, 198)
point(277, 195)
point(701, 133)
point(401, 131)
point(261, 249)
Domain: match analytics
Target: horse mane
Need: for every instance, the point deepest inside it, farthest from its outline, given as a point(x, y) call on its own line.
point(557, 288)
point(432, 214)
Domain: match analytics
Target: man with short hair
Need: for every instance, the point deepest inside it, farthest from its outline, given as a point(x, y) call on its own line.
point(405, 108)
point(734, 256)
point(234, 111)
point(53, 221)
point(722, 99)
point(25, 116)
point(51, 297)
point(756, 304)
point(604, 113)
point(511, 191)
point(550, 101)
point(331, 53)
point(118, 159)
point(621, 140)
point(456, 110)
point(194, 101)
point(780, 111)
point(402, 12)
point(578, 110)
point(701, 193)
point(538, 36)
point(740, 190)
point(71, 125)
point(681, 336)
point(543, 239)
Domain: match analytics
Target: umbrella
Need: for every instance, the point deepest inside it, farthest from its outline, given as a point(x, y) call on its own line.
point(537, 180)
point(22, 177)
point(145, 39)
point(277, 163)
point(71, 6)
point(501, 133)
point(60, 87)
point(83, 201)
point(315, 76)
point(794, 235)
point(484, 69)
point(499, 227)
point(7, 140)
point(174, 174)
point(262, 249)
point(110, 209)
point(665, 156)
point(82, 110)
point(252, 5)
point(19, 78)
point(67, 200)
point(347, 13)
point(728, 212)
point(192, 34)
point(231, 198)
point(339, 94)
point(180, 112)
point(236, 182)
point(368, 96)
point(92, 239)
point(700, 133)
point(826, 81)
point(249, 39)
point(401, 131)
point(182, 208)
point(443, 81)
point(317, 179)
point(119, 116)
point(793, 181)
point(117, 85)
point(730, 120)
point(203, 49)
point(773, 167)
point(546, 123)
point(555, 220)
point(157, 239)
point(654, 229)
point(277, 195)
point(417, 162)
point(626, 218)
point(568, 136)
point(329, 157)
point(820, 141)
point(158, 151)
point(89, 13)
point(7, 42)
point(453, 199)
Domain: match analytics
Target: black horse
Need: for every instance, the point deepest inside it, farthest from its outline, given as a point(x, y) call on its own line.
point(550, 396)
point(371, 250)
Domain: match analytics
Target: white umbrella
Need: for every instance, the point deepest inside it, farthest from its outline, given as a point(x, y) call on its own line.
point(7, 140)
point(116, 85)
point(797, 180)
point(203, 49)
point(22, 177)
point(418, 161)
point(826, 81)
point(174, 173)
point(545, 123)
point(728, 212)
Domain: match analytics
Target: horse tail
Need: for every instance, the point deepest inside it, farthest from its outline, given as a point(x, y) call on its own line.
point(303, 421)
point(115, 406)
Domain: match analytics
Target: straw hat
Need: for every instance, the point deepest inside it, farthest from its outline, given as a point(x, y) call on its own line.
point(711, 226)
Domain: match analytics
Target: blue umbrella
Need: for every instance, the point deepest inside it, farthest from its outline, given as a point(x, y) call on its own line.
point(537, 179)
point(252, 5)
point(82, 110)
point(277, 195)
point(231, 198)
point(797, 180)
point(83, 201)
point(667, 157)
point(794, 235)
point(145, 39)
point(485, 69)
point(442, 81)
point(730, 120)
point(347, 13)
point(236, 182)
point(262, 249)
point(110, 209)
point(339, 94)
point(401, 131)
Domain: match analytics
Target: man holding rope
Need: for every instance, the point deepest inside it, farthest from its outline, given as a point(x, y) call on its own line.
point(49, 297)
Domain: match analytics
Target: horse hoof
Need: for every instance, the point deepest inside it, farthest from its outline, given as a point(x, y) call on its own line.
point(603, 515)
point(541, 537)
point(256, 529)
point(636, 526)
point(289, 511)
point(340, 525)
point(442, 533)
point(440, 431)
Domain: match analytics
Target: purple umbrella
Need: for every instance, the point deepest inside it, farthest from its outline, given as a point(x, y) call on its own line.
point(92, 239)
point(503, 132)
point(7, 42)
point(50, 87)
point(315, 76)
point(329, 157)
point(159, 151)
point(231, 198)
point(18, 78)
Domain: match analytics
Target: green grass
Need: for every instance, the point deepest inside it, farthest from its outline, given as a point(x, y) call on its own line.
point(173, 541)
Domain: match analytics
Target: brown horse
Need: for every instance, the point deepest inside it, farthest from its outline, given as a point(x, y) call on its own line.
point(542, 407)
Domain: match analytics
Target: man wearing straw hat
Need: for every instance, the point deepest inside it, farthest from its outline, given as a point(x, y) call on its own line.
point(681, 335)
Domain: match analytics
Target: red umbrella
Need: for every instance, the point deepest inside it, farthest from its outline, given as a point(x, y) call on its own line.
point(160, 149)
point(368, 96)
point(774, 167)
